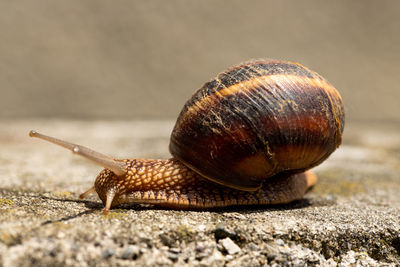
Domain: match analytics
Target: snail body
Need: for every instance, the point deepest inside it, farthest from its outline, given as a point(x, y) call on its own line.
point(247, 137)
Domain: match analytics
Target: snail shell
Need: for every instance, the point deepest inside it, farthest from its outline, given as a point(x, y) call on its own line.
point(257, 120)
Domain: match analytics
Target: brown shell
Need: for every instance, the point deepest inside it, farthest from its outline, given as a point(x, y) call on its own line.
point(257, 120)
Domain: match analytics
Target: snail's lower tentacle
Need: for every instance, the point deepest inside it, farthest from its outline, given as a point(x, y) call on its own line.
point(109, 200)
point(87, 192)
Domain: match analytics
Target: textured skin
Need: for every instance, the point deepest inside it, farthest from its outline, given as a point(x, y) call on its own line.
point(170, 184)
point(256, 120)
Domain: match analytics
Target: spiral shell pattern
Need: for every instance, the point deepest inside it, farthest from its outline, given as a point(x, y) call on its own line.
point(257, 120)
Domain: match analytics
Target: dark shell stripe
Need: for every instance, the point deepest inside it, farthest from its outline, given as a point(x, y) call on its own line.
point(241, 105)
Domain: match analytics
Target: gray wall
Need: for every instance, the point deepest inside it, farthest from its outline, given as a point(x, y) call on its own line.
point(143, 59)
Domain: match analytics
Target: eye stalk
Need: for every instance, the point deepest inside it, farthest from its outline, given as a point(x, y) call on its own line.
point(107, 162)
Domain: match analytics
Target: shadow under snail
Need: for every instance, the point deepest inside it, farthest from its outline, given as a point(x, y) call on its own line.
point(247, 137)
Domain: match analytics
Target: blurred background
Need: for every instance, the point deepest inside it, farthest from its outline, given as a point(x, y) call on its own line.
point(127, 59)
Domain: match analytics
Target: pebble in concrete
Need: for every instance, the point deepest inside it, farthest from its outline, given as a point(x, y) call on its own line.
point(229, 246)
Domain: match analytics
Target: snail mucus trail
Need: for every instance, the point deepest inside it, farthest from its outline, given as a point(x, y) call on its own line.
point(247, 137)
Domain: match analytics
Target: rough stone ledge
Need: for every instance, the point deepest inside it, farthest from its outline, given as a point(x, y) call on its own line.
point(352, 217)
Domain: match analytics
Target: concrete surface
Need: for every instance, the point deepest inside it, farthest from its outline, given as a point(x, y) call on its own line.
point(351, 218)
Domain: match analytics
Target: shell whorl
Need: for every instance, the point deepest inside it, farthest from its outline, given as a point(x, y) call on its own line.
point(257, 120)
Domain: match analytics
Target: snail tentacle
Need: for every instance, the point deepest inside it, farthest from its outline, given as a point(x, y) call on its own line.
point(87, 192)
point(116, 166)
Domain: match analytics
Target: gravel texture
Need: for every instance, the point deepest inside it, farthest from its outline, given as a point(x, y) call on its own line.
point(351, 218)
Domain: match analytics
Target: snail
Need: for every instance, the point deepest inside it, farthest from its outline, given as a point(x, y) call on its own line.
point(247, 137)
